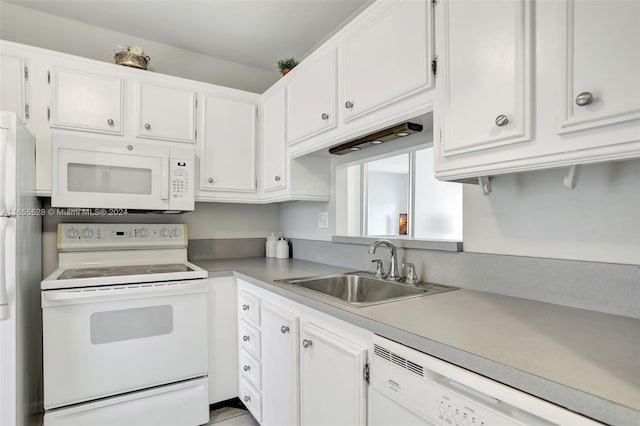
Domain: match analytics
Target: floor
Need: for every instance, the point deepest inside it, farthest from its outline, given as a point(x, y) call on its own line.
point(231, 416)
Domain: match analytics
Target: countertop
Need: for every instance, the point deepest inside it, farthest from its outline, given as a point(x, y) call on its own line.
point(588, 362)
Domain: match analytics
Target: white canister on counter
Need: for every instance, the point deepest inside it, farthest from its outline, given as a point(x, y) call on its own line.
point(272, 240)
point(282, 248)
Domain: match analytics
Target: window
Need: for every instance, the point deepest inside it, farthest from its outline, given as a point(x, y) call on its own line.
point(397, 196)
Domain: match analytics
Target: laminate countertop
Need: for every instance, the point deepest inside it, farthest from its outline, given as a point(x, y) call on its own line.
point(585, 361)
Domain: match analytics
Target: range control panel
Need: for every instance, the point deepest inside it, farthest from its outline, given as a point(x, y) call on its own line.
point(117, 236)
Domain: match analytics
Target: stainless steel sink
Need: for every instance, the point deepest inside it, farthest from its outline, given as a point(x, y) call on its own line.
point(362, 289)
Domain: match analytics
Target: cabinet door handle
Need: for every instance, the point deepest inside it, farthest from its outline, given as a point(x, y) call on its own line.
point(584, 98)
point(502, 120)
point(306, 343)
point(348, 104)
point(246, 368)
point(247, 398)
point(210, 180)
point(284, 329)
point(147, 126)
point(245, 338)
point(324, 116)
point(245, 307)
point(277, 178)
point(110, 122)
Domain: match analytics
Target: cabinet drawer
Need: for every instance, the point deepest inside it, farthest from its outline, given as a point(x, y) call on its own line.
point(249, 338)
point(249, 308)
point(251, 398)
point(250, 369)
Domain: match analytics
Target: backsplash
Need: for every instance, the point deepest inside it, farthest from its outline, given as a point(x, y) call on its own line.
point(603, 287)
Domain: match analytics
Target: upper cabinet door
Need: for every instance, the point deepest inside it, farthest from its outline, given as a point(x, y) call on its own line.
point(386, 57)
point(311, 97)
point(12, 86)
point(86, 101)
point(485, 61)
point(229, 141)
point(273, 142)
point(600, 63)
point(165, 113)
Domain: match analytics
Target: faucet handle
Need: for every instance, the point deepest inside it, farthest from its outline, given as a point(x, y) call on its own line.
point(412, 277)
point(379, 269)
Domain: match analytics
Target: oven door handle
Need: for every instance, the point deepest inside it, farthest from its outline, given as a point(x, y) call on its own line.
point(106, 294)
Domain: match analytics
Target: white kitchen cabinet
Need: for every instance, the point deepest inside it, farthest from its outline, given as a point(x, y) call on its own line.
point(228, 133)
point(487, 69)
point(223, 334)
point(164, 112)
point(280, 331)
point(597, 37)
point(249, 364)
point(86, 101)
point(316, 383)
point(311, 97)
point(332, 388)
point(13, 76)
point(285, 178)
point(485, 53)
point(386, 56)
point(273, 142)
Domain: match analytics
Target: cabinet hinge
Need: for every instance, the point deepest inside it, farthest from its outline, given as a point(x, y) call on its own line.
point(366, 373)
point(434, 65)
point(195, 132)
point(26, 111)
point(48, 77)
point(26, 73)
point(48, 114)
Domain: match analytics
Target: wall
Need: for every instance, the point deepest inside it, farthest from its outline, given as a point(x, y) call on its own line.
point(27, 26)
point(533, 214)
point(208, 221)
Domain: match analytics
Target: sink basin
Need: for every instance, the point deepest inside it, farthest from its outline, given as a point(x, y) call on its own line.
point(362, 289)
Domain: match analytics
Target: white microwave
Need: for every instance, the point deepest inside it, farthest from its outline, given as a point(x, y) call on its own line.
point(119, 174)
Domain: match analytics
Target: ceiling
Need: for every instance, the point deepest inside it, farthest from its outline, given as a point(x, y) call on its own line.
point(251, 32)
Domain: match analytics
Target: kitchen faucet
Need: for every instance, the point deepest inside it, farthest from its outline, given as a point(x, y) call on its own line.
point(393, 271)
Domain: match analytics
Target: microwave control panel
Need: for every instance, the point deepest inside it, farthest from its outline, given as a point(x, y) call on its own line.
point(181, 195)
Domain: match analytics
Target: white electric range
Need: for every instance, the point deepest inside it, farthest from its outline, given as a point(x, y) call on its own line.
point(125, 328)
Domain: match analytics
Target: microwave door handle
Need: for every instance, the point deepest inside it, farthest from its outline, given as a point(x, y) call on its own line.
point(4, 300)
point(165, 179)
point(4, 143)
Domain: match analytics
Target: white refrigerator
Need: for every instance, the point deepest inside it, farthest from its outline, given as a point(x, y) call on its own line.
point(20, 276)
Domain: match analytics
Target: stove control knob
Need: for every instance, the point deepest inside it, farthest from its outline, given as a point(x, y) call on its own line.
point(164, 233)
point(73, 233)
point(176, 232)
point(143, 232)
point(87, 233)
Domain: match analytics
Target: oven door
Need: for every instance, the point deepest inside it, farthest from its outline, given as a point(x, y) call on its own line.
point(109, 174)
point(103, 341)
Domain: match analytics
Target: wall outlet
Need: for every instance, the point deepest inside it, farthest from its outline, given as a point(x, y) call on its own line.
point(323, 220)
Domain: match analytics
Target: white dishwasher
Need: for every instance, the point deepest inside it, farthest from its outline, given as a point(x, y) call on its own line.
point(412, 388)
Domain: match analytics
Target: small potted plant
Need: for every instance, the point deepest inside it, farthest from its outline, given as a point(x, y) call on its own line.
point(287, 64)
point(131, 56)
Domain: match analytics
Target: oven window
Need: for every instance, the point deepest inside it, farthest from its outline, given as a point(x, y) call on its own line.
point(128, 324)
point(108, 179)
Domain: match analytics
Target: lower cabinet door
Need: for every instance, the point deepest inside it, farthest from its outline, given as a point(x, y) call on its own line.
point(332, 385)
point(280, 367)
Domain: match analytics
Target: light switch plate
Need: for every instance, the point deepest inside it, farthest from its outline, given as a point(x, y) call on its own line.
point(323, 220)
